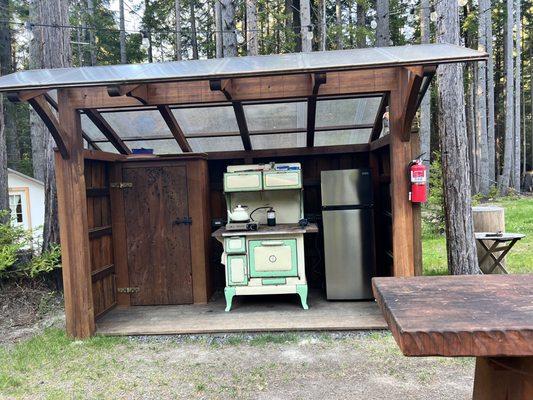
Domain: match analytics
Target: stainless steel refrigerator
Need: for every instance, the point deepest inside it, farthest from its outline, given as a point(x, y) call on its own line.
point(347, 216)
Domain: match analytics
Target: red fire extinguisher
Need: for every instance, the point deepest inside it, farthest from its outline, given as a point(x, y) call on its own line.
point(418, 174)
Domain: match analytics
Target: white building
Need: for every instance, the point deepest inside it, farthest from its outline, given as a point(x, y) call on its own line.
point(26, 201)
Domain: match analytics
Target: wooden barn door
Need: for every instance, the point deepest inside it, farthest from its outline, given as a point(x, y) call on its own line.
point(159, 256)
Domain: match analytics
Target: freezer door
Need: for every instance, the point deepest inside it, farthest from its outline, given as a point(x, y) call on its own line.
point(349, 253)
point(346, 187)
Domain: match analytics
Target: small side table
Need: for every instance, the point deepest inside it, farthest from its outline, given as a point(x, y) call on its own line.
point(502, 243)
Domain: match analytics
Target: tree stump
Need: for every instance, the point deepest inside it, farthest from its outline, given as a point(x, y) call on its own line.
point(488, 219)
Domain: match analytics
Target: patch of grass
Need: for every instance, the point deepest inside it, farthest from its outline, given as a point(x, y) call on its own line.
point(518, 219)
point(273, 338)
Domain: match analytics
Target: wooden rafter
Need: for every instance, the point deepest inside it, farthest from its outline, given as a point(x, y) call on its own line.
point(87, 138)
point(429, 73)
point(378, 122)
point(317, 80)
point(107, 130)
point(238, 109)
point(174, 127)
point(42, 108)
point(410, 83)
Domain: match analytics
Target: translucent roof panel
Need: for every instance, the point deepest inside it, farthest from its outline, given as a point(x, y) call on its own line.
point(333, 138)
point(107, 146)
point(223, 143)
point(241, 66)
point(262, 117)
point(346, 111)
point(278, 141)
point(90, 129)
point(206, 120)
point(166, 146)
point(138, 124)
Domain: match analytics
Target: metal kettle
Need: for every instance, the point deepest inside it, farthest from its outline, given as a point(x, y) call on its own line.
point(239, 214)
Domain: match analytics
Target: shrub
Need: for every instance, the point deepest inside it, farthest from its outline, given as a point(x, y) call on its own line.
point(19, 255)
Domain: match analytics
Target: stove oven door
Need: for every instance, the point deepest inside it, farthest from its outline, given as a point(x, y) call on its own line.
point(273, 258)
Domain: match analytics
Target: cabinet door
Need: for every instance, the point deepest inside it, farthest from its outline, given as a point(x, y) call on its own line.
point(273, 180)
point(270, 258)
point(235, 245)
point(158, 249)
point(242, 181)
point(236, 270)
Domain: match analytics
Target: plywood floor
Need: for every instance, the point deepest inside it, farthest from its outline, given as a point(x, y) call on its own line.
point(249, 314)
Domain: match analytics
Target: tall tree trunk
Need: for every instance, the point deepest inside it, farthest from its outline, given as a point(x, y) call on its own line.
point(194, 38)
point(177, 44)
point(531, 97)
point(91, 23)
point(219, 45)
point(516, 178)
point(52, 46)
point(338, 23)
point(229, 37)
point(4, 197)
point(491, 121)
point(323, 27)
point(461, 249)
point(306, 32)
point(123, 56)
point(505, 178)
point(481, 103)
point(296, 23)
point(383, 29)
point(471, 131)
point(361, 24)
point(425, 106)
point(252, 40)
point(6, 67)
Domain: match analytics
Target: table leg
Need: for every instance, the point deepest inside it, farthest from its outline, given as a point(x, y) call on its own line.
point(503, 378)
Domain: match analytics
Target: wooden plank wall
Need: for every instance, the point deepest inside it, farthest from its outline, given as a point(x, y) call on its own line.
point(100, 235)
point(311, 168)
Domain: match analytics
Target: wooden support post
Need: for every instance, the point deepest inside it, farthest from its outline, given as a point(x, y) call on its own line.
point(74, 233)
point(503, 378)
point(175, 128)
point(400, 157)
point(317, 80)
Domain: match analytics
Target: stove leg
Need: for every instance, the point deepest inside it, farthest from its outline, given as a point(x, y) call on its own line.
point(302, 291)
point(503, 378)
point(229, 292)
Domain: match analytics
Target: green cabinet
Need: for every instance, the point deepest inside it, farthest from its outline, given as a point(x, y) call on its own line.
point(273, 258)
point(237, 273)
point(243, 181)
point(278, 180)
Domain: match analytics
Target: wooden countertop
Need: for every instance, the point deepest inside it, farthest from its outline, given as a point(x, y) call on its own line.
point(468, 315)
point(279, 229)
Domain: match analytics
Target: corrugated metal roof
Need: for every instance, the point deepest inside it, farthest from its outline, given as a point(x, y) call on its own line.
point(240, 66)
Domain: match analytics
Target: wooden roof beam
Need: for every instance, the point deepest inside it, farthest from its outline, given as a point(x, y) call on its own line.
point(42, 108)
point(238, 109)
point(107, 130)
point(174, 127)
point(409, 87)
point(378, 122)
point(429, 73)
point(139, 92)
point(317, 80)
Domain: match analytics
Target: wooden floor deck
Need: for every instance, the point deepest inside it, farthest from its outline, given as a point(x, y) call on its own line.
point(249, 314)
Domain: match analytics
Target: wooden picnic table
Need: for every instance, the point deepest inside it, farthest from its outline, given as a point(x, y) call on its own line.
point(501, 244)
point(489, 317)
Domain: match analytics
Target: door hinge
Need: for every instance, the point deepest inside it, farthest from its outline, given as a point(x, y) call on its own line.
point(128, 289)
point(121, 185)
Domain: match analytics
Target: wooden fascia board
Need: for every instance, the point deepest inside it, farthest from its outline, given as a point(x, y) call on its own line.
point(356, 82)
point(174, 128)
point(410, 82)
point(42, 108)
point(106, 129)
point(378, 122)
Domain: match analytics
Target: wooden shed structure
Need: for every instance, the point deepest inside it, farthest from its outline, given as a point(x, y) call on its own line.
point(118, 212)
